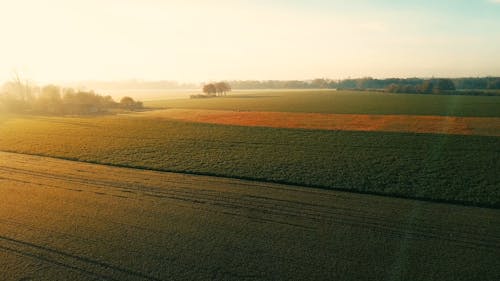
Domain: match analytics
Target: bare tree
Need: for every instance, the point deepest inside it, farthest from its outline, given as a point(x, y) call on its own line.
point(17, 94)
point(22, 88)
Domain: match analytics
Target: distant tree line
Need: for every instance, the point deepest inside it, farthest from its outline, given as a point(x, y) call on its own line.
point(432, 86)
point(22, 97)
point(368, 83)
point(365, 83)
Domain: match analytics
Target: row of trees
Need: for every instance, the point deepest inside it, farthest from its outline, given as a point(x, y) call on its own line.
point(435, 86)
point(216, 89)
point(484, 83)
point(20, 97)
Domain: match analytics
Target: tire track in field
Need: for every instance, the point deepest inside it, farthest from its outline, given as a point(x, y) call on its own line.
point(283, 210)
point(67, 260)
point(151, 196)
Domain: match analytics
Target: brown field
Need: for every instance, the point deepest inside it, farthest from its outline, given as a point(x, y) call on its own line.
point(64, 220)
point(345, 122)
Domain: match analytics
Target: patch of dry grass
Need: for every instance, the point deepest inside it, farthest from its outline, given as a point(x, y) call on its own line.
point(343, 122)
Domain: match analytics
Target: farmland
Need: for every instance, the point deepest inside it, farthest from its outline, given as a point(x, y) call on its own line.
point(482, 126)
point(449, 168)
point(250, 140)
point(64, 220)
point(344, 102)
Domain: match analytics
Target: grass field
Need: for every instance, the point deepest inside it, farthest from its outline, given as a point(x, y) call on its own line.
point(439, 167)
point(64, 220)
point(345, 102)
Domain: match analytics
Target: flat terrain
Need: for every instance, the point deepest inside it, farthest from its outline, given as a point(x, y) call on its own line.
point(344, 102)
point(345, 122)
point(64, 220)
point(450, 168)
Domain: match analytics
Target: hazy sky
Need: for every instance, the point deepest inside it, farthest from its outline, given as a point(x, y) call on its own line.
point(199, 40)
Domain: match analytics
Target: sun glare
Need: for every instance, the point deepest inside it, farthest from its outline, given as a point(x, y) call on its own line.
point(197, 41)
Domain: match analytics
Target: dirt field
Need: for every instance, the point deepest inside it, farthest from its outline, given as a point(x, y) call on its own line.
point(345, 122)
point(63, 220)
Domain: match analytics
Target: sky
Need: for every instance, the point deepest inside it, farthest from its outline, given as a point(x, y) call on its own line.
point(200, 40)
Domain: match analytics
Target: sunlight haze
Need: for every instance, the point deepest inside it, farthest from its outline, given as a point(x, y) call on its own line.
point(249, 140)
point(57, 40)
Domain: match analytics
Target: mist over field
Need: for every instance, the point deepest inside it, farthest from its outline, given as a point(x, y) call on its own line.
point(249, 140)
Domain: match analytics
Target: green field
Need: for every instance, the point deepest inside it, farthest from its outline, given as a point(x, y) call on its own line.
point(439, 167)
point(325, 101)
point(66, 220)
